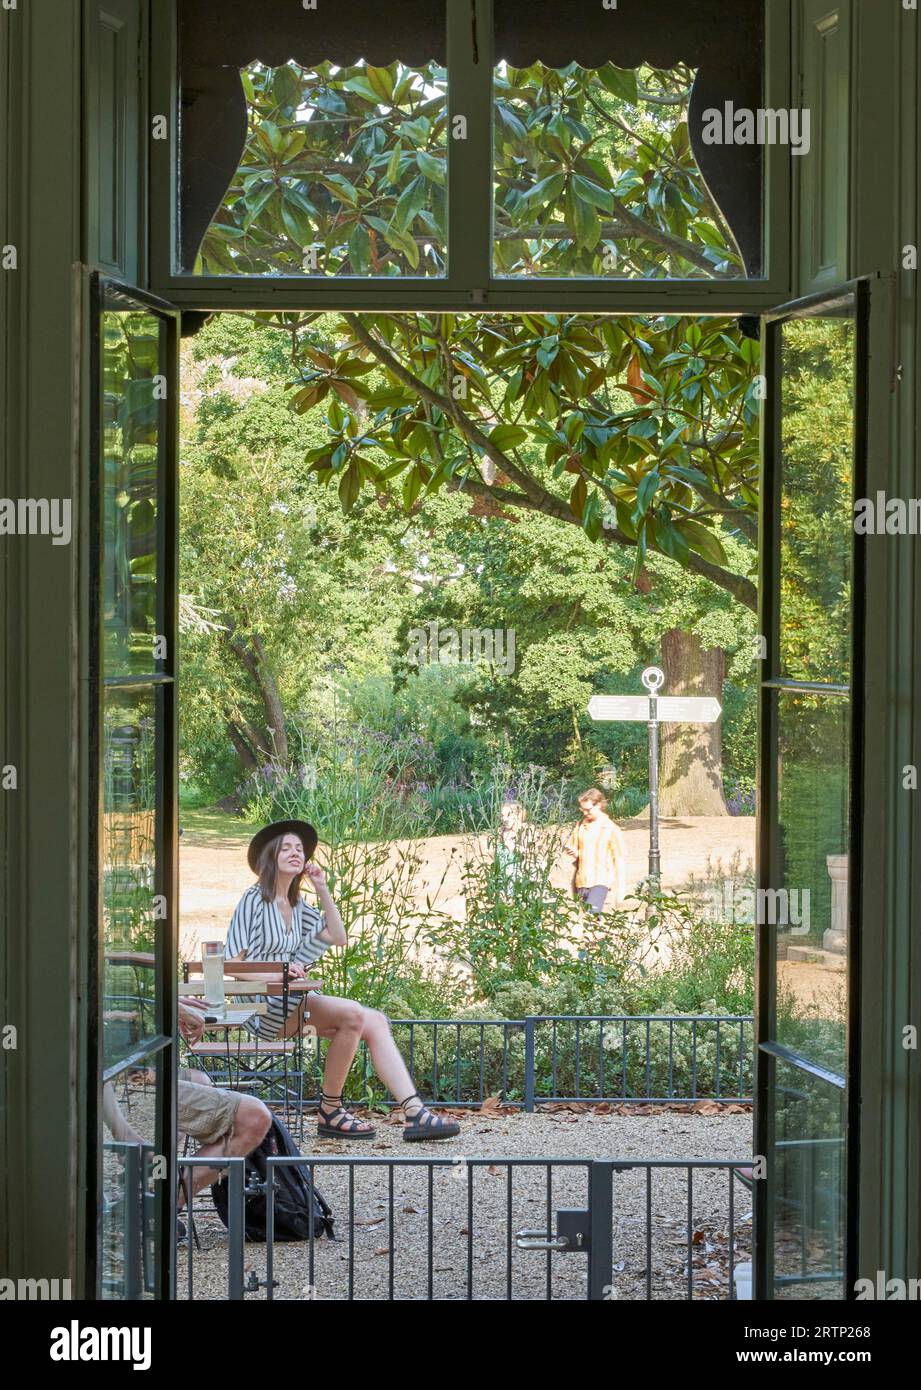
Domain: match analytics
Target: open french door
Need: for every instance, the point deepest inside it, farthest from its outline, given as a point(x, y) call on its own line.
point(133, 885)
point(812, 712)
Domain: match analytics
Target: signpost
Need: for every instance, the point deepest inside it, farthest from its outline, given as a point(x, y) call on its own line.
point(655, 709)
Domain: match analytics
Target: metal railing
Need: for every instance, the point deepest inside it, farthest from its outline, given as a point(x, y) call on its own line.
point(232, 1238)
point(439, 1229)
point(614, 1058)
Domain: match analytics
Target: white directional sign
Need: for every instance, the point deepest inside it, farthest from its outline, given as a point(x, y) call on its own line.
point(670, 709)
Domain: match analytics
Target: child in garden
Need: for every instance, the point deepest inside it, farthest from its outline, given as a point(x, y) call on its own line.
point(512, 819)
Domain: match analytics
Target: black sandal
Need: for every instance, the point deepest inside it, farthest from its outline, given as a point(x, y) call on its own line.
point(348, 1128)
point(427, 1125)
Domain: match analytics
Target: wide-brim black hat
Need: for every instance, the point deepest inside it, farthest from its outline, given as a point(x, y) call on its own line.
point(304, 831)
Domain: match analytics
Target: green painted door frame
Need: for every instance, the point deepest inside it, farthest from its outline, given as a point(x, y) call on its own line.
point(49, 194)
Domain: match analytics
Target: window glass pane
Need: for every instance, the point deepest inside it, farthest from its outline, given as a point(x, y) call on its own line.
point(314, 143)
point(129, 863)
point(816, 503)
point(129, 1239)
point(808, 1164)
point(810, 911)
point(344, 172)
point(131, 406)
point(594, 175)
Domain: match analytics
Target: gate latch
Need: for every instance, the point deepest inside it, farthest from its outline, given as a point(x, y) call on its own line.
point(572, 1234)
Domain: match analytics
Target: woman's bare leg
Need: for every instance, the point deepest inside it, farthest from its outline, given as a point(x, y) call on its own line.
point(346, 1024)
point(341, 1021)
point(387, 1060)
point(392, 1070)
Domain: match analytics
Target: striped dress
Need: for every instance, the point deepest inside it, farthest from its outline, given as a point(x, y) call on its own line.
point(259, 929)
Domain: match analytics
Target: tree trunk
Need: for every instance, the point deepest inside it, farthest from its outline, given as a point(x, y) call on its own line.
point(253, 656)
point(248, 760)
point(691, 764)
point(271, 702)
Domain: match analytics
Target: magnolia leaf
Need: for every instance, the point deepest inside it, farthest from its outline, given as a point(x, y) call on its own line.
point(506, 437)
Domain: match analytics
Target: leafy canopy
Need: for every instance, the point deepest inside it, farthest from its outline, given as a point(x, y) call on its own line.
point(344, 172)
point(642, 431)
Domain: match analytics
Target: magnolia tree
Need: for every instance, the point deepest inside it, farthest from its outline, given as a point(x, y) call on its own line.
point(642, 432)
point(344, 172)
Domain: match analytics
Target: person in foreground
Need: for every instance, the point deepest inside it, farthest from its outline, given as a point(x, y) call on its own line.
point(273, 922)
point(225, 1124)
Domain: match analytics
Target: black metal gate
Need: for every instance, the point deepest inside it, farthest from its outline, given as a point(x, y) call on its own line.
point(503, 1229)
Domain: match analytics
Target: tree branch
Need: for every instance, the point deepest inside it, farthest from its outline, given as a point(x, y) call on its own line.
point(735, 584)
point(448, 407)
point(626, 224)
point(533, 497)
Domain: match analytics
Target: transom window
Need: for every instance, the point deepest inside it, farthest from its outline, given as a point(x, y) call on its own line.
point(555, 142)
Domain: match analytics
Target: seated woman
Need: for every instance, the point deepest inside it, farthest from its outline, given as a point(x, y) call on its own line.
point(273, 922)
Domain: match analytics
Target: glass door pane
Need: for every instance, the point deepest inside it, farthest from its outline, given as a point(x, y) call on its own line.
point(131, 726)
point(811, 905)
point(807, 1160)
point(133, 458)
point(810, 719)
point(816, 495)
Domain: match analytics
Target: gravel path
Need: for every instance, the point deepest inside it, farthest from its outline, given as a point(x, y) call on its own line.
point(467, 1205)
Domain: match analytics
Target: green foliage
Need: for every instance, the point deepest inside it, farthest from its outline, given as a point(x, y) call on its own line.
point(332, 600)
point(344, 172)
point(349, 163)
point(130, 453)
point(612, 966)
point(356, 783)
point(641, 432)
point(517, 925)
point(816, 515)
point(580, 626)
point(594, 176)
point(301, 597)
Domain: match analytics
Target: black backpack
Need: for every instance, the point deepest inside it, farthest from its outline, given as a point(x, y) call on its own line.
point(299, 1209)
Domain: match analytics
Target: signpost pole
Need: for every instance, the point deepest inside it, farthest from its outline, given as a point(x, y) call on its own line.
point(653, 680)
point(655, 868)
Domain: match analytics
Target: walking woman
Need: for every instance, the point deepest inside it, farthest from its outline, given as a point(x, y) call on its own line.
point(596, 848)
point(272, 922)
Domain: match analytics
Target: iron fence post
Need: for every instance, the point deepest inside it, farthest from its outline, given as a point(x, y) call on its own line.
point(134, 1222)
point(529, 1064)
point(236, 1221)
point(601, 1225)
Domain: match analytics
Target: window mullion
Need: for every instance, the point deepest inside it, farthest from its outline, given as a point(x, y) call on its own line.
point(470, 70)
